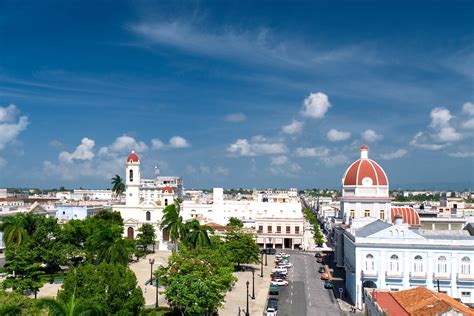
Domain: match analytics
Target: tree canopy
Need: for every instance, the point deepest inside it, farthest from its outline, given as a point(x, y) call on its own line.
point(235, 222)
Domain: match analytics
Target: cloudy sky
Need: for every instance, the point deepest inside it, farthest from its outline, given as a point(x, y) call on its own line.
point(236, 93)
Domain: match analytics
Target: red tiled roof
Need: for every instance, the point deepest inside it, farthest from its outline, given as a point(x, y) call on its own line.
point(387, 303)
point(409, 215)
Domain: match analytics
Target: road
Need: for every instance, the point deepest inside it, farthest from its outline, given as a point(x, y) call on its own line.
point(305, 293)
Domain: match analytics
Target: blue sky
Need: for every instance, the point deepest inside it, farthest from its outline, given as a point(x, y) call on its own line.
point(236, 93)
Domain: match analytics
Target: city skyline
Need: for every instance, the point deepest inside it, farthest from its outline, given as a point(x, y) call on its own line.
point(236, 96)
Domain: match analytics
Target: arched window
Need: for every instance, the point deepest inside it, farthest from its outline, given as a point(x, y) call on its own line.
point(166, 202)
point(442, 264)
point(394, 264)
point(130, 175)
point(367, 213)
point(418, 264)
point(353, 212)
point(382, 214)
point(465, 265)
point(369, 263)
point(148, 216)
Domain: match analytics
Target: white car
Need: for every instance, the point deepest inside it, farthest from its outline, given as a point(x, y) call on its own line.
point(285, 265)
point(280, 270)
point(282, 254)
point(271, 312)
point(280, 282)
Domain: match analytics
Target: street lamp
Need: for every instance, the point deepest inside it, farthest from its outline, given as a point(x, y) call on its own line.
point(247, 310)
point(151, 261)
point(253, 283)
point(156, 284)
point(265, 258)
point(261, 265)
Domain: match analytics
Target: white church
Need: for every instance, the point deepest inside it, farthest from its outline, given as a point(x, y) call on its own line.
point(384, 247)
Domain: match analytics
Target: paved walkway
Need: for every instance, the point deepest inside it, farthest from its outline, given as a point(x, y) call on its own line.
point(237, 297)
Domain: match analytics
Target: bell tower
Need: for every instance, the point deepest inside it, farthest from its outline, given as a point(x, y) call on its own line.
point(132, 180)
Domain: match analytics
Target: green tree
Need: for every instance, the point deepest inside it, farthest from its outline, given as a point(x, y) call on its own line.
point(197, 234)
point(111, 287)
point(14, 232)
point(110, 216)
point(242, 247)
point(71, 307)
point(118, 187)
point(235, 222)
point(172, 221)
point(15, 303)
point(146, 236)
point(107, 245)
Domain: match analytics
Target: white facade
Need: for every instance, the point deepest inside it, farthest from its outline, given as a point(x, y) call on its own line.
point(394, 257)
point(66, 213)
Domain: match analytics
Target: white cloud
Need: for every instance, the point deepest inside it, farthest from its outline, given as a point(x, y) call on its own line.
point(204, 170)
point(371, 136)
point(295, 127)
point(3, 163)
point(82, 152)
point(10, 124)
point(440, 117)
point(460, 154)
point(235, 117)
point(448, 134)
point(127, 143)
point(279, 160)
point(316, 105)
point(258, 145)
point(399, 153)
point(312, 152)
point(336, 136)
point(335, 160)
point(55, 143)
point(294, 167)
point(179, 142)
point(157, 144)
point(469, 124)
point(421, 140)
point(468, 108)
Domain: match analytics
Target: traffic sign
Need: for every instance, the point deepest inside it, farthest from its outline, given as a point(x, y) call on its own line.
point(341, 290)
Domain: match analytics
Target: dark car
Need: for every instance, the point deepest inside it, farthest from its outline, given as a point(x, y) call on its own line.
point(322, 269)
point(273, 302)
point(319, 260)
point(278, 276)
point(274, 289)
point(318, 255)
point(328, 285)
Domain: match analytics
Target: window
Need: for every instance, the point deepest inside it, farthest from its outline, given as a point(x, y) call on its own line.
point(260, 229)
point(382, 214)
point(369, 263)
point(466, 294)
point(353, 213)
point(269, 228)
point(442, 265)
point(166, 202)
point(148, 216)
point(465, 265)
point(279, 229)
point(394, 264)
point(288, 229)
point(367, 213)
point(418, 264)
point(131, 175)
point(297, 229)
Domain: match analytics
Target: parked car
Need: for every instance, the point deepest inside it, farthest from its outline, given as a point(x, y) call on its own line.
point(321, 269)
point(271, 311)
point(319, 260)
point(280, 282)
point(324, 276)
point(328, 285)
point(272, 303)
point(285, 265)
point(280, 270)
point(274, 289)
point(318, 255)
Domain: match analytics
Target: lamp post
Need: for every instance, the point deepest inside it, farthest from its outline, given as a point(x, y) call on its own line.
point(156, 284)
point(247, 310)
point(151, 261)
point(265, 258)
point(261, 265)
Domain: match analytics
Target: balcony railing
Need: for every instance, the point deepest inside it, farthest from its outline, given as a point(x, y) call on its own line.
point(370, 274)
point(465, 277)
point(442, 275)
point(394, 275)
point(418, 275)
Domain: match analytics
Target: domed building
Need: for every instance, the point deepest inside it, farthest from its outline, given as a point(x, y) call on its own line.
point(365, 190)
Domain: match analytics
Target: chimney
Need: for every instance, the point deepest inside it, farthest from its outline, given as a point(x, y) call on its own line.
point(398, 219)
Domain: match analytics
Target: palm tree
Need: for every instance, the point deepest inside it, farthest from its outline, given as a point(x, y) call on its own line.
point(13, 230)
point(72, 307)
point(197, 235)
point(117, 185)
point(173, 223)
point(110, 247)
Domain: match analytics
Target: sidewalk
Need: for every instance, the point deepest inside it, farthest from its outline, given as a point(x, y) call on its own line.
point(237, 297)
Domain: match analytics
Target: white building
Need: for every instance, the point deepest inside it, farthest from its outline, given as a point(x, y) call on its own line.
point(91, 195)
point(378, 254)
point(145, 200)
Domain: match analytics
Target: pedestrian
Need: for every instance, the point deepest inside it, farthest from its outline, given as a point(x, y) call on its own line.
point(239, 311)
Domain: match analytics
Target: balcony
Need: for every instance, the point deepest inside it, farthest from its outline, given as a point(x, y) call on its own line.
point(441, 276)
point(370, 274)
point(417, 275)
point(394, 275)
point(465, 277)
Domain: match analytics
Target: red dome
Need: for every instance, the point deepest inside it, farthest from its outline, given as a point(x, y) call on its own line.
point(409, 215)
point(167, 190)
point(364, 168)
point(132, 157)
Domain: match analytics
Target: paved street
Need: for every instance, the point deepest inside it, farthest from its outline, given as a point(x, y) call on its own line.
point(305, 294)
